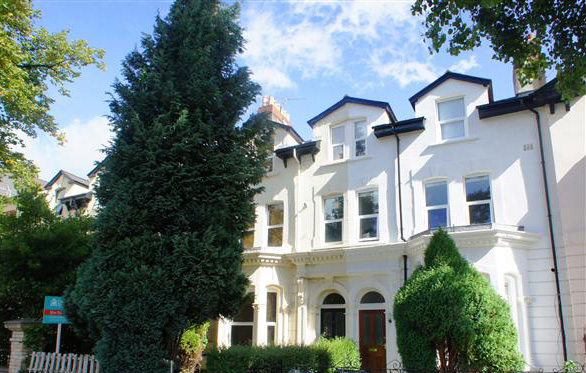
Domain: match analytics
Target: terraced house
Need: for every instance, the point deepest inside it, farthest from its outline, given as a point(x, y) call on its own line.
point(345, 217)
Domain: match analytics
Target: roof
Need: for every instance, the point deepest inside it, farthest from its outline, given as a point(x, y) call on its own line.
point(451, 75)
point(69, 175)
point(353, 100)
point(96, 168)
point(547, 94)
point(404, 126)
point(289, 129)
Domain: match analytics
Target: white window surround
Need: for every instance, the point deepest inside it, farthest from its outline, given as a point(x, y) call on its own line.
point(368, 215)
point(489, 201)
point(330, 220)
point(360, 128)
point(451, 120)
point(337, 143)
point(435, 182)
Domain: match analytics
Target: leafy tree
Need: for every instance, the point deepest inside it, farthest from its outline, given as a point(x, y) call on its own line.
point(32, 59)
point(508, 25)
point(448, 313)
point(39, 255)
point(176, 191)
point(192, 343)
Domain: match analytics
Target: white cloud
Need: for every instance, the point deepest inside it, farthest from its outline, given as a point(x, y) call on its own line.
point(464, 65)
point(77, 155)
point(312, 39)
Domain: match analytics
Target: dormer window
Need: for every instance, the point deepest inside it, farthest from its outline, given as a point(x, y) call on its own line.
point(452, 116)
point(337, 143)
point(360, 138)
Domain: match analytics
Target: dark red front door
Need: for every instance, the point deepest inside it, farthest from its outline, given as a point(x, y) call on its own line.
point(373, 340)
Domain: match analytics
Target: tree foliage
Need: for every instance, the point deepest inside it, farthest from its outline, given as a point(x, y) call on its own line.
point(176, 191)
point(39, 255)
point(448, 315)
point(558, 27)
point(31, 60)
point(192, 343)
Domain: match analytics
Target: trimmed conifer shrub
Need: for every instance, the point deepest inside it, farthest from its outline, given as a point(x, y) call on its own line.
point(448, 316)
point(176, 192)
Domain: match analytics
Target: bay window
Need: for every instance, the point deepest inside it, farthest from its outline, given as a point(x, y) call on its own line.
point(368, 214)
point(333, 218)
point(242, 324)
point(360, 132)
point(478, 199)
point(271, 317)
point(436, 202)
point(275, 224)
point(337, 136)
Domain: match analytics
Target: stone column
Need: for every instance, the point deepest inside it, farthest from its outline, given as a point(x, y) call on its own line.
point(17, 350)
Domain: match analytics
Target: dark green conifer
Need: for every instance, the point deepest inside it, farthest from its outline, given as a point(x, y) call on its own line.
point(448, 316)
point(176, 191)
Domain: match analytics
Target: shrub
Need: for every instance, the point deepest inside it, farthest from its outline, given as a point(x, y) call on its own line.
point(238, 359)
point(191, 345)
point(344, 352)
point(448, 311)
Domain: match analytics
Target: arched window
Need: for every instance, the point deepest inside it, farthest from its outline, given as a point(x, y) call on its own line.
point(333, 316)
point(372, 297)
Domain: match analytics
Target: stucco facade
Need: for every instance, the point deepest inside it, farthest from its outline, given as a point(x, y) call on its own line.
point(345, 218)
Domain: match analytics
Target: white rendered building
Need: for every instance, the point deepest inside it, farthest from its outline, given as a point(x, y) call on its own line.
point(346, 217)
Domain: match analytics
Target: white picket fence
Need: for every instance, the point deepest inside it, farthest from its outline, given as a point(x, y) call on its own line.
point(51, 362)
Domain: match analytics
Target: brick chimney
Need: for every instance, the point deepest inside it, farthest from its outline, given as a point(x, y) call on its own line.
point(276, 112)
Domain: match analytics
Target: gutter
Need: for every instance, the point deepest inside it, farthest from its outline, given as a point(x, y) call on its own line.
point(551, 232)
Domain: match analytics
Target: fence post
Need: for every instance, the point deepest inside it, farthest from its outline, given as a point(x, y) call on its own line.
point(18, 352)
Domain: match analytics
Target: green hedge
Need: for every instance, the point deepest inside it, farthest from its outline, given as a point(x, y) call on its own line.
point(318, 358)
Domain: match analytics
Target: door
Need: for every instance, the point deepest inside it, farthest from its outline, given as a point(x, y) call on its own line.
point(373, 340)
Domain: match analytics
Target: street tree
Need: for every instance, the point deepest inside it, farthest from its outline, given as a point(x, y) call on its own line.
point(176, 191)
point(31, 61)
point(533, 35)
point(449, 317)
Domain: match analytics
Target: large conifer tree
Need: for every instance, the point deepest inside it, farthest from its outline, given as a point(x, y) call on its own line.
point(176, 191)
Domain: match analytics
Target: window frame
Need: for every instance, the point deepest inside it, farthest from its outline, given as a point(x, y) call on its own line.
point(481, 202)
point(249, 230)
point(356, 139)
point(368, 216)
point(269, 226)
point(333, 308)
point(272, 323)
point(342, 144)
point(437, 207)
point(244, 323)
point(341, 220)
point(452, 120)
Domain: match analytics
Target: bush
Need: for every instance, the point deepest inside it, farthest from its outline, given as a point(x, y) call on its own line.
point(191, 345)
point(344, 352)
point(239, 359)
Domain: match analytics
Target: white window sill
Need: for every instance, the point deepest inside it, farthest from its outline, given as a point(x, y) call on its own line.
point(454, 141)
point(348, 160)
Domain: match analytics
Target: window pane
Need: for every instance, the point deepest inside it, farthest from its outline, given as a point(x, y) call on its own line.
point(453, 130)
point(437, 218)
point(365, 329)
point(271, 306)
point(271, 335)
point(477, 188)
point(276, 236)
point(333, 323)
point(479, 214)
point(372, 297)
point(338, 135)
point(248, 240)
point(246, 312)
point(334, 208)
point(436, 194)
point(334, 298)
point(451, 109)
point(334, 232)
point(359, 130)
point(275, 214)
point(369, 227)
point(368, 203)
point(242, 335)
point(338, 152)
point(360, 148)
point(379, 324)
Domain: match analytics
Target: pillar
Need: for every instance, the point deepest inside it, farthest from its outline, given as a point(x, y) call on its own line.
point(18, 352)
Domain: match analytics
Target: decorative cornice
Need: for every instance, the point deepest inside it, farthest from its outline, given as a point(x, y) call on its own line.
point(252, 258)
point(494, 237)
point(349, 253)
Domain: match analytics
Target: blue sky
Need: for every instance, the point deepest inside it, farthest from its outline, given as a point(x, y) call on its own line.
point(308, 54)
